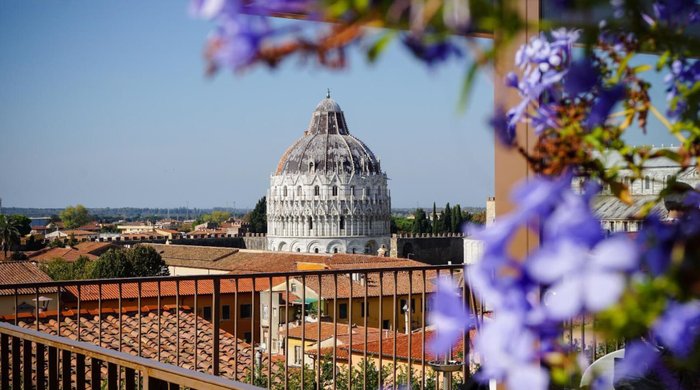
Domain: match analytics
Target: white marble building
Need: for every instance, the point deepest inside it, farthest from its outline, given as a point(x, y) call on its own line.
point(616, 216)
point(328, 194)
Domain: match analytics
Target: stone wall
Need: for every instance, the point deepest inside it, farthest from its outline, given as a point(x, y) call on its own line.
point(428, 248)
point(256, 241)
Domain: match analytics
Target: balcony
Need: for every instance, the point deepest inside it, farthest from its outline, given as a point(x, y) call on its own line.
point(270, 330)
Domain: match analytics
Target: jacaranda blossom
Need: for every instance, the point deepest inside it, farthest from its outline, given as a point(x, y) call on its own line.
point(679, 327)
point(449, 316)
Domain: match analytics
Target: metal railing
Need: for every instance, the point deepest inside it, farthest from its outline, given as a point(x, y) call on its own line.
point(354, 328)
point(32, 359)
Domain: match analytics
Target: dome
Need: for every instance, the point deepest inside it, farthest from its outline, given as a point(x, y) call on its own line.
point(327, 146)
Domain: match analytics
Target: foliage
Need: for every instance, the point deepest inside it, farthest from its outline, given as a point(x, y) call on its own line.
point(420, 222)
point(60, 269)
point(74, 217)
point(258, 217)
point(401, 225)
point(24, 224)
point(577, 107)
point(217, 217)
point(146, 261)
point(112, 264)
point(9, 233)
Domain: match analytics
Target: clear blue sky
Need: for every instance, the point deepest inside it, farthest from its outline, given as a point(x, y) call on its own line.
point(104, 103)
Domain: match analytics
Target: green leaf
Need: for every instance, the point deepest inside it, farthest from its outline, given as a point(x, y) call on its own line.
point(379, 45)
point(467, 86)
point(641, 68)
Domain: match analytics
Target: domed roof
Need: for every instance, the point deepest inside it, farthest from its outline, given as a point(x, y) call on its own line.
point(327, 146)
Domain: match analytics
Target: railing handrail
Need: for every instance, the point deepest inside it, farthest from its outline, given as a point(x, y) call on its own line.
point(256, 275)
point(148, 367)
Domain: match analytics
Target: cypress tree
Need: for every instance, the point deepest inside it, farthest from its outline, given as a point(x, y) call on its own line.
point(434, 220)
point(457, 218)
point(446, 225)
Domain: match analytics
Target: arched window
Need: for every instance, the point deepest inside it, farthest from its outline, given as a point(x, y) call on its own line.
point(284, 191)
point(317, 191)
point(311, 223)
point(315, 250)
point(311, 166)
point(342, 223)
point(647, 183)
point(335, 250)
point(335, 190)
point(299, 191)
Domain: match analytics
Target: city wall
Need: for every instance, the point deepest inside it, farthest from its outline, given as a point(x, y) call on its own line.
point(443, 248)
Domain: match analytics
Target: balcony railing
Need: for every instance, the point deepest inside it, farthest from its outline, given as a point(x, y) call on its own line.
point(320, 328)
point(274, 330)
point(33, 359)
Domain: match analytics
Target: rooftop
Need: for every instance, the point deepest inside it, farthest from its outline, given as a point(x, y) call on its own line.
point(23, 272)
point(156, 332)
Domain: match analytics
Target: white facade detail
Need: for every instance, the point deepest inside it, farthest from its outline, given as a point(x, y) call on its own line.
point(328, 194)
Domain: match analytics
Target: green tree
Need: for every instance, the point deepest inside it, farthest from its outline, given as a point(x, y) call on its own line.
point(60, 269)
point(401, 225)
point(112, 264)
point(258, 217)
point(24, 224)
point(420, 222)
point(434, 220)
point(457, 219)
point(9, 233)
point(73, 217)
point(446, 219)
point(146, 261)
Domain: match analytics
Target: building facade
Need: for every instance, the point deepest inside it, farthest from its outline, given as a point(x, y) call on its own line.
point(328, 194)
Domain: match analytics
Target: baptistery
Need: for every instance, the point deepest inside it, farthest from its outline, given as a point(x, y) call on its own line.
point(329, 193)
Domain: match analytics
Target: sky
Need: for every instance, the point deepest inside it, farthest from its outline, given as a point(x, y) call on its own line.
point(106, 104)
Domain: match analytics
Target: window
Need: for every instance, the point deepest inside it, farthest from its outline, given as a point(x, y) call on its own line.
point(335, 250)
point(246, 310)
point(352, 190)
point(315, 250)
point(297, 354)
point(317, 191)
point(311, 224)
point(364, 311)
point(299, 191)
point(335, 190)
point(311, 167)
point(206, 313)
point(647, 183)
point(226, 312)
point(284, 191)
point(386, 325)
point(265, 312)
point(248, 337)
point(402, 306)
point(342, 223)
point(343, 310)
point(293, 287)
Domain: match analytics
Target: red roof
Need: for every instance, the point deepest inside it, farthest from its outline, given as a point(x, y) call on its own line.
point(110, 291)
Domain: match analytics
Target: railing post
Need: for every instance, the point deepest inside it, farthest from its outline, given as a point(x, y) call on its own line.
point(65, 369)
point(53, 368)
point(4, 362)
point(216, 322)
point(96, 373)
point(27, 355)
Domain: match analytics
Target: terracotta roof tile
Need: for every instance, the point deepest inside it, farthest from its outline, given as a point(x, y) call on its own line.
point(22, 272)
point(155, 330)
point(250, 261)
point(149, 289)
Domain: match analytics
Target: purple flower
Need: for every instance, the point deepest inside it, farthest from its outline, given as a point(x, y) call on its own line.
point(503, 128)
point(449, 315)
point(581, 279)
point(604, 104)
point(677, 13)
point(679, 327)
point(573, 218)
point(581, 77)
point(656, 239)
point(431, 51)
point(640, 358)
point(682, 77)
